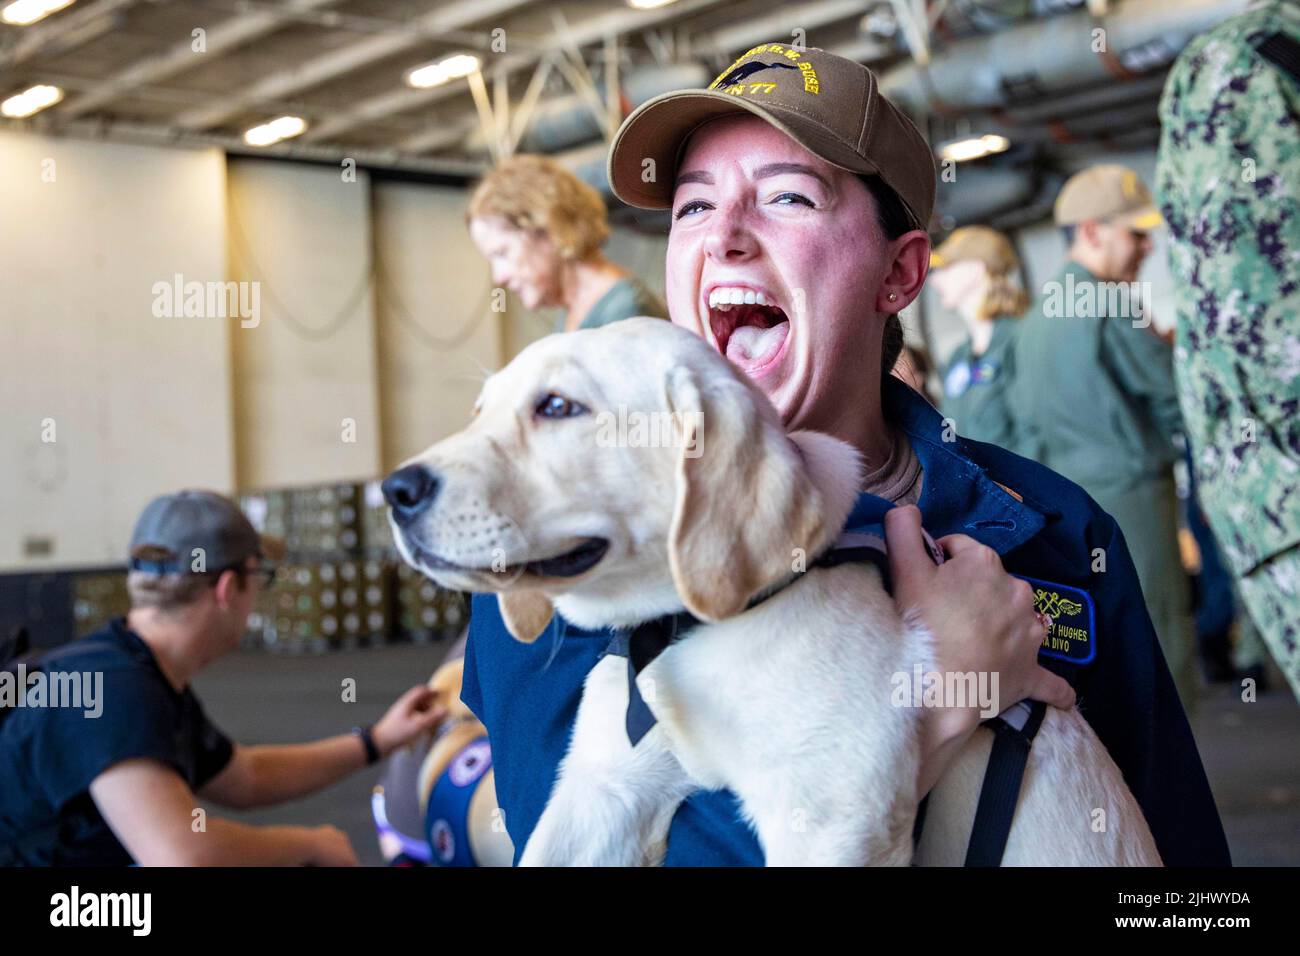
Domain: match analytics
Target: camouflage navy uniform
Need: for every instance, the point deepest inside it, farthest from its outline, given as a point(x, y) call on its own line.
point(1228, 184)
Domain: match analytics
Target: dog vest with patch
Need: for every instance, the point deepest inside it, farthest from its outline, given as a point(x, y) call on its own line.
point(447, 817)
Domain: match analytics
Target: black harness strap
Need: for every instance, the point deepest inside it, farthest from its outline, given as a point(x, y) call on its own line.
point(861, 554)
point(640, 646)
point(1014, 730)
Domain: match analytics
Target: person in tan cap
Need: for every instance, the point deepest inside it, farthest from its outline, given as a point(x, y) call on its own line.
point(799, 201)
point(1107, 214)
point(1095, 396)
point(974, 273)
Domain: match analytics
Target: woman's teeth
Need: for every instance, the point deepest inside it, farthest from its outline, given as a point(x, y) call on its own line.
point(724, 297)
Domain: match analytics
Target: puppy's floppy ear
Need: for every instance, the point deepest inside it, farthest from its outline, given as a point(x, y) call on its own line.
point(526, 614)
point(745, 509)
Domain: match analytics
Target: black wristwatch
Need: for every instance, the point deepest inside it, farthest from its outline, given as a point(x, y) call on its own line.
point(368, 739)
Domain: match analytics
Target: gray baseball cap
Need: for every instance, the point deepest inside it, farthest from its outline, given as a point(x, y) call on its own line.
point(195, 531)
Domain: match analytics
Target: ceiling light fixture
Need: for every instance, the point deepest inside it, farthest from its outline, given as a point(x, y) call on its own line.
point(444, 71)
point(268, 134)
point(22, 13)
point(31, 100)
point(975, 147)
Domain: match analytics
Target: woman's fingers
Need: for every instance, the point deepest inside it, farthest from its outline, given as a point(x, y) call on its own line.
point(983, 618)
point(955, 544)
point(910, 564)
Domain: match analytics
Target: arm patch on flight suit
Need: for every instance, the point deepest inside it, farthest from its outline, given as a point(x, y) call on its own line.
point(1072, 621)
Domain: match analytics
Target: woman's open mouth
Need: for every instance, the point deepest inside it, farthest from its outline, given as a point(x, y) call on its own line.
point(749, 328)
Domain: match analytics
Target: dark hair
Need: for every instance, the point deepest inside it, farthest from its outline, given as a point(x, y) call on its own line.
point(894, 220)
point(890, 212)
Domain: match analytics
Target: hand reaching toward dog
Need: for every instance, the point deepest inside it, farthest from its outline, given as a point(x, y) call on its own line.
point(414, 713)
point(983, 621)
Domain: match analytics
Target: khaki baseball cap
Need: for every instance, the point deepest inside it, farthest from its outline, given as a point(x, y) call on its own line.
point(979, 243)
point(830, 105)
point(1107, 192)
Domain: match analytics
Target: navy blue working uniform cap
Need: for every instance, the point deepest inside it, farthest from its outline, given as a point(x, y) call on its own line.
point(177, 529)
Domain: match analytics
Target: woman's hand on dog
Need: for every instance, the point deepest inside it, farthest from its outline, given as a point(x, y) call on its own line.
point(983, 621)
point(416, 712)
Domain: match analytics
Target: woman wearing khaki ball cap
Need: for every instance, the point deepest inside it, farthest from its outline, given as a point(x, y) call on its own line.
point(793, 179)
point(973, 272)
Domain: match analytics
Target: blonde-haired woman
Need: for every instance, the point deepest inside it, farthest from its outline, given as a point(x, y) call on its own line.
point(973, 272)
point(541, 229)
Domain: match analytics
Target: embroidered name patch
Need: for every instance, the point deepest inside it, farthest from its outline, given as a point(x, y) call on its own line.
point(1072, 621)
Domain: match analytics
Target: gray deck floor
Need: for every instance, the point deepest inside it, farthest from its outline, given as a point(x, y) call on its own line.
point(1251, 751)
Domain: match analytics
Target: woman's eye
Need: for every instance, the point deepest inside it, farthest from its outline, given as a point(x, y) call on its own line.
point(694, 206)
point(557, 406)
point(786, 199)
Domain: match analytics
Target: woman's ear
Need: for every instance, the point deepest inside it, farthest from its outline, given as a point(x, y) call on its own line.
point(907, 274)
point(745, 511)
point(526, 614)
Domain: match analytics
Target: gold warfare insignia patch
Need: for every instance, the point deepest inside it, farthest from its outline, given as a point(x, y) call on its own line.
point(1129, 184)
point(758, 75)
point(1072, 621)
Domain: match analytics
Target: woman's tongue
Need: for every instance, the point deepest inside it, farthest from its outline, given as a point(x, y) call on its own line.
point(750, 346)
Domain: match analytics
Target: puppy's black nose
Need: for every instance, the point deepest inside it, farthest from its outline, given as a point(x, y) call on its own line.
point(409, 491)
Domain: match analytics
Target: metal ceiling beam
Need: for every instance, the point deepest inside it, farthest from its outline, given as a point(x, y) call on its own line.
point(225, 36)
point(336, 63)
point(66, 32)
point(779, 26)
point(445, 136)
point(154, 135)
point(727, 41)
point(354, 23)
point(177, 98)
point(588, 31)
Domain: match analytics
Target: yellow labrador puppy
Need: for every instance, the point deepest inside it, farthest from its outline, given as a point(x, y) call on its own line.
point(623, 474)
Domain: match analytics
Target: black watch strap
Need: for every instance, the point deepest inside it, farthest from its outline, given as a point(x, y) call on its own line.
point(368, 739)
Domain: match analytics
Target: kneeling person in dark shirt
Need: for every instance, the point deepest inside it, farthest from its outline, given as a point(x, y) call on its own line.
point(121, 787)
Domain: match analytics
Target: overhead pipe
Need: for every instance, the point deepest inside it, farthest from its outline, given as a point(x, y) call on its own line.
point(1052, 54)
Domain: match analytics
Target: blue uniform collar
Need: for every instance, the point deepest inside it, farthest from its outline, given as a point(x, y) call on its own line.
point(957, 495)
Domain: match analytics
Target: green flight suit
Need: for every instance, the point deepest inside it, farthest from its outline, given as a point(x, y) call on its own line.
point(975, 388)
point(1095, 401)
point(1228, 184)
point(625, 299)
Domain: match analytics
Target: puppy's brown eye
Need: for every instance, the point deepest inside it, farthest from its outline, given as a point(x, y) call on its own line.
point(557, 406)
